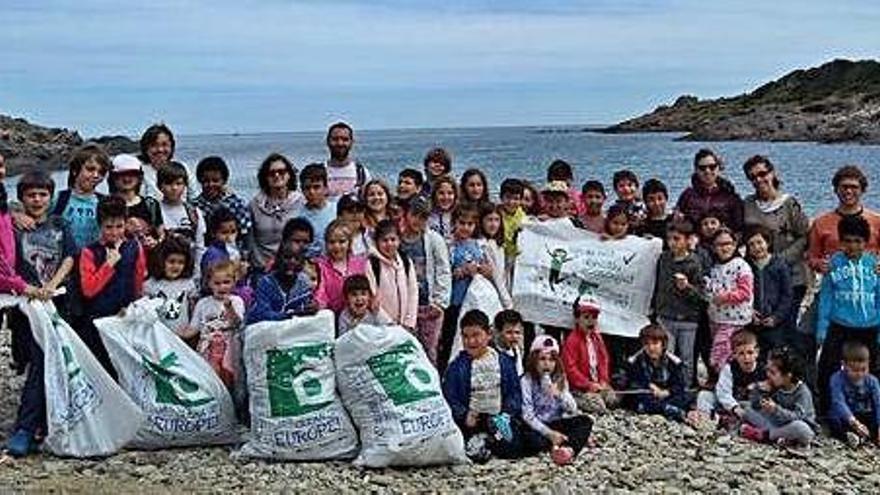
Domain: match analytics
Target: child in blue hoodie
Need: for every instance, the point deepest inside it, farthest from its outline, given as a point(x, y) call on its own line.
point(849, 301)
point(854, 414)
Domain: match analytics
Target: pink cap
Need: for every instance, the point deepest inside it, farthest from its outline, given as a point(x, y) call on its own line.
point(545, 343)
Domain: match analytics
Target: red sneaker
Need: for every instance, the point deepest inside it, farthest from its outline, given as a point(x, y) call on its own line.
point(562, 456)
point(752, 433)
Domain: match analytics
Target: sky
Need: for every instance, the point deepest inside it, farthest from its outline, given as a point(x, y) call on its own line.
point(223, 66)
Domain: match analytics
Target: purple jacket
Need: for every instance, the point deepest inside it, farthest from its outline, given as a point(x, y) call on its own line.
point(696, 201)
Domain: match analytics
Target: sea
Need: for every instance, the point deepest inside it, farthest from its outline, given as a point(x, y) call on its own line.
point(525, 152)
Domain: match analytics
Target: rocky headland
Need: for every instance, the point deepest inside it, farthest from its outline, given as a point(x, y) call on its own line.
point(28, 146)
point(836, 102)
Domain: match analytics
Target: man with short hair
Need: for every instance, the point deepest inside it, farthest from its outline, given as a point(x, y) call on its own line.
point(345, 175)
point(850, 184)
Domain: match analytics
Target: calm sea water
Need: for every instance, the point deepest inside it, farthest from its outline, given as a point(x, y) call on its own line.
point(525, 152)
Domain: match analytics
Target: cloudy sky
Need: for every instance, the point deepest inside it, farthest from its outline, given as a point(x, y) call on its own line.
point(245, 66)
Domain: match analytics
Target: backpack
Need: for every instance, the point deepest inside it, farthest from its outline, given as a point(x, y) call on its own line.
point(375, 264)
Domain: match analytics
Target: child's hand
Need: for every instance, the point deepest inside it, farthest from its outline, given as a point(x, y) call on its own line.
point(557, 438)
point(767, 405)
point(435, 311)
point(471, 419)
point(22, 221)
point(485, 269)
point(113, 255)
point(229, 313)
point(187, 332)
point(769, 322)
point(719, 299)
point(860, 428)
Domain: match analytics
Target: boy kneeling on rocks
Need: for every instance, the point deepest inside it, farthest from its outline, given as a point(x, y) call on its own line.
point(730, 399)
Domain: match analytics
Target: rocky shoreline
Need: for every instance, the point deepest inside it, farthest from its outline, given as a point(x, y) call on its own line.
point(634, 454)
point(28, 146)
point(834, 103)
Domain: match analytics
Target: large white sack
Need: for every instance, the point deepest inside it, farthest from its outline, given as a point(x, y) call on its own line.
point(392, 392)
point(483, 295)
point(88, 414)
point(184, 401)
point(295, 411)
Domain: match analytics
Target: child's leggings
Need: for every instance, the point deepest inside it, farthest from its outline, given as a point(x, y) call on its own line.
point(428, 329)
point(721, 350)
point(796, 431)
point(576, 428)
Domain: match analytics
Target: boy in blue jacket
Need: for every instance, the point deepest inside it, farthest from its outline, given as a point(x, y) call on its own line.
point(284, 292)
point(656, 378)
point(854, 414)
point(483, 391)
point(848, 301)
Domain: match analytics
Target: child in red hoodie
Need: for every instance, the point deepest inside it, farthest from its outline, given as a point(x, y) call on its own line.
point(586, 363)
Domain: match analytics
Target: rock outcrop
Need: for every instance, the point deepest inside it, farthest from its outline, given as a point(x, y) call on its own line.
point(29, 146)
point(836, 102)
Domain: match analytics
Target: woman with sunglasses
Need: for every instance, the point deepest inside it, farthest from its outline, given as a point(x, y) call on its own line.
point(272, 207)
point(710, 191)
point(781, 214)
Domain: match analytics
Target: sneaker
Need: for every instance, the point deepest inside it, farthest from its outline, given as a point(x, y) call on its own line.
point(752, 433)
point(853, 439)
point(21, 443)
point(562, 456)
point(477, 450)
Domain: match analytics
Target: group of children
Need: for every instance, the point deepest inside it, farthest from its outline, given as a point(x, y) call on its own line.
point(332, 237)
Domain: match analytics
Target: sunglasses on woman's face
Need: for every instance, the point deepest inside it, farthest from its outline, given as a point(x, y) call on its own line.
point(277, 172)
point(707, 167)
point(760, 174)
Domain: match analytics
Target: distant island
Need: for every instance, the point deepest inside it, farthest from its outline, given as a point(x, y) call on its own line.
point(836, 102)
point(27, 146)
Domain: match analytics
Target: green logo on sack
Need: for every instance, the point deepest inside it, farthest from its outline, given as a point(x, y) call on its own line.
point(401, 376)
point(172, 388)
point(298, 381)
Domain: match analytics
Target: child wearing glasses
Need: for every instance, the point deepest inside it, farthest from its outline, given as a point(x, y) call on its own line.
point(730, 290)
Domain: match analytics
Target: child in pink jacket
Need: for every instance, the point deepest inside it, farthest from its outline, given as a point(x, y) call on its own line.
point(392, 276)
point(335, 265)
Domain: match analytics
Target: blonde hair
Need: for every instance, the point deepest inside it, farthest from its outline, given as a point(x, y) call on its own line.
point(228, 266)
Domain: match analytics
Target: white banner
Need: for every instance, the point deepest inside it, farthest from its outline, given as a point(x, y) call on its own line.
point(559, 262)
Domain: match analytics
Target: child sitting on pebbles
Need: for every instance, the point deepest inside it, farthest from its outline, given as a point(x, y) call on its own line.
point(483, 392)
point(655, 377)
point(730, 400)
point(548, 407)
point(781, 406)
point(586, 361)
point(855, 398)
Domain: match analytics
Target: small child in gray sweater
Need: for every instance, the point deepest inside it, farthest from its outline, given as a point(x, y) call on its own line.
point(782, 406)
